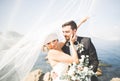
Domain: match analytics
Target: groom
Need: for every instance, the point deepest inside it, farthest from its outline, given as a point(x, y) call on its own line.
point(70, 28)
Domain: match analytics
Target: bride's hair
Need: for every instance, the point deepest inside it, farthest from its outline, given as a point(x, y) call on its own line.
point(49, 38)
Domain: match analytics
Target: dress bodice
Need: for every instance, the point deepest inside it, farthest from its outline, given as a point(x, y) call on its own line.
point(60, 69)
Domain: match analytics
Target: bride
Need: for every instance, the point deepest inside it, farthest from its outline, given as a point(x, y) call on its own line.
point(58, 59)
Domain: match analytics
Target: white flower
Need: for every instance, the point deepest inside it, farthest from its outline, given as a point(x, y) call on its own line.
point(82, 58)
point(71, 72)
point(73, 78)
point(85, 69)
point(74, 64)
point(79, 47)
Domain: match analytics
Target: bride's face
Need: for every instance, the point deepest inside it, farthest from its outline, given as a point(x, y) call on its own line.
point(52, 44)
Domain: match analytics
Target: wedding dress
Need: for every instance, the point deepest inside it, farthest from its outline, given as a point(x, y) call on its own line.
point(60, 69)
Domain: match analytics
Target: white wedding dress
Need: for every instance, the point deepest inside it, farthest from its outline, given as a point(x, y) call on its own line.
point(60, 69)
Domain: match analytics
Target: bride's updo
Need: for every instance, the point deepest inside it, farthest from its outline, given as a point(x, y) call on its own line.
point(49, 38)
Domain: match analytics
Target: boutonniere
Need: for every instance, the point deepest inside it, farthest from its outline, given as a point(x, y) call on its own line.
point(79, 47)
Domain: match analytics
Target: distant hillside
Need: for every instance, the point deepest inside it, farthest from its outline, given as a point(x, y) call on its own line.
point(8, 39)
point(105, 43)
point(13, 34)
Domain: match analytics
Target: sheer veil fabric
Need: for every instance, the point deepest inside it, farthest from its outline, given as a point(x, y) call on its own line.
point(18, 61)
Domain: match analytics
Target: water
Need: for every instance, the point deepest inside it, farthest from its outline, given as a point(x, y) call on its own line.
point(42, 64)
point(109, 54)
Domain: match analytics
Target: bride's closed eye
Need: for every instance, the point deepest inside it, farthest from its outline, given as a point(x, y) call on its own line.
point(54, 40)
point(48, 43)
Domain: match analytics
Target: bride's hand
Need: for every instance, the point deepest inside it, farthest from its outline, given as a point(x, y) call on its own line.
point(83, 20)
point(72, 38)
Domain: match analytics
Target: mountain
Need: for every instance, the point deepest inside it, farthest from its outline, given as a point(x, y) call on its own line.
point(8, 39)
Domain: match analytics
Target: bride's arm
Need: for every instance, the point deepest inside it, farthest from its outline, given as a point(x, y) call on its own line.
point(73, 50)
point(82, 21)
point(60, 56)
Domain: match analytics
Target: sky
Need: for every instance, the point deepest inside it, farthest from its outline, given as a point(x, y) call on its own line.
point(23, 15)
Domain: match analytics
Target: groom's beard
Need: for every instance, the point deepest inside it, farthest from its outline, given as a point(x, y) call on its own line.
point(67, 38)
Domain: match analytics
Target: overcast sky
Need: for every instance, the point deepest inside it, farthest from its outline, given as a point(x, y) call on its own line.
point(22, 15)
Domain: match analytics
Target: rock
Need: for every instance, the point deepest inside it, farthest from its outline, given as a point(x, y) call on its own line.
point(47, 77)
point(115, 79)
point(33, 76)
point(99, 72)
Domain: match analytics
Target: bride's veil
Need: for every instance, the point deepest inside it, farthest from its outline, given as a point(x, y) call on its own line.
point(18, 61)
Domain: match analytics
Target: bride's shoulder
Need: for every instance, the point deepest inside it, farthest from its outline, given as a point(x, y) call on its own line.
point(61, 44)
point(53, 51)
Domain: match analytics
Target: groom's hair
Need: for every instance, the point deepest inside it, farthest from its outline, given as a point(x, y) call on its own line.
point(71, 23)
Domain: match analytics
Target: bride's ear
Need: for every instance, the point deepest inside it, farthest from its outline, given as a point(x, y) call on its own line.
point(44, 49)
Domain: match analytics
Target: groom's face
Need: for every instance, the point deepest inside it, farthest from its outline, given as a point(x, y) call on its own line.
point(67, 32)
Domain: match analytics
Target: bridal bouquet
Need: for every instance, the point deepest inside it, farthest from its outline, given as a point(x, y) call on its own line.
point(79, 72)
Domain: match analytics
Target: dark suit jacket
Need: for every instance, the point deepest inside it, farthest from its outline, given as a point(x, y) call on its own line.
point(89, 49)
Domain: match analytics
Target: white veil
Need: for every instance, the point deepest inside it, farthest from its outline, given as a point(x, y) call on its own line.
point(18, 61)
